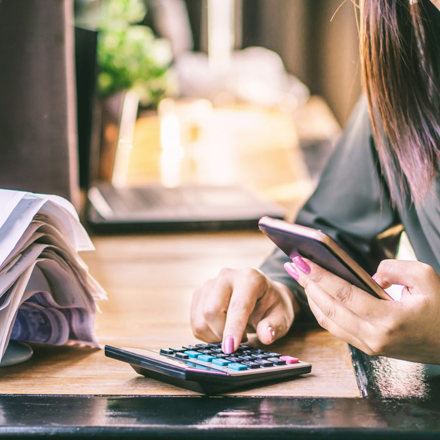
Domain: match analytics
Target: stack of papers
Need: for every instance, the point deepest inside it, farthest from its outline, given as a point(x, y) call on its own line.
point(46, 293)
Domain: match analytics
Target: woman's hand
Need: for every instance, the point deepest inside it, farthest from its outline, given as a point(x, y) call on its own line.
point(405, 329)
point(235, 300)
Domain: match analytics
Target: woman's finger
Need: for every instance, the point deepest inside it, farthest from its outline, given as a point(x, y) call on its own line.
point(273, 314)
point(405, 273)
point(215, 305)
point(248, 289)
point(332, 311)
point(274, 324)
point(209, 306)
point(336, 330)
point(357, 300)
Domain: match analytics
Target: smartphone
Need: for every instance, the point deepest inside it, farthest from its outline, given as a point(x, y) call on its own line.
point(318, 247)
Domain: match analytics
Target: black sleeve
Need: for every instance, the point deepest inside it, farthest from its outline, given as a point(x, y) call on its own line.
point(351, 204)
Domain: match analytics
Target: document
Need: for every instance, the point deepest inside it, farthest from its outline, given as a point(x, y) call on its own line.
point(47, 294)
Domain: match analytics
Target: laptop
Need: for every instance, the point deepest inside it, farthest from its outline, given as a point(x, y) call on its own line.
point(113, 207)
point(189, 207)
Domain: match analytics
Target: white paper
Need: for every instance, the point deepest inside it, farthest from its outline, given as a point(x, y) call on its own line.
point(8, 201)
point(41, 272)
point(16, 224)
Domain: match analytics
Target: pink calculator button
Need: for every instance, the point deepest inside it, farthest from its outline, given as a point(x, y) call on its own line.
point(289, 359)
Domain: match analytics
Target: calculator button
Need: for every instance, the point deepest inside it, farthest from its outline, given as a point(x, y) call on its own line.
point(205, 351)
point(264, 363)
point(166, 351)
point(237, 366)
point(251, 364)
point(205, 357)
point(233, 359)
point(245, 358)
point(221, 362)
point(289, 359)
point(221, 355)
point(201, 345)
point(178, 350)
point(192, 353)
point(261, 356)
point(276, 361)
point(182, 356)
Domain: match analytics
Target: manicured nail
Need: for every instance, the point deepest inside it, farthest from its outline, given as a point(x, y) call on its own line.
point(301, 265)
point(291, 270)
point(272, 333)
point(228, 345)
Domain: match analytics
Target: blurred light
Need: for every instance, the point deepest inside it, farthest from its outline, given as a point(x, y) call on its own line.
point(172, 150)
point(221, 39)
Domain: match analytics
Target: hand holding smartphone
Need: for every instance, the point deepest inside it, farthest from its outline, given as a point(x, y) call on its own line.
point(318, 247)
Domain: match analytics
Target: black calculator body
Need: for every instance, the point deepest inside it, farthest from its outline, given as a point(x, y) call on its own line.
point(206, 369)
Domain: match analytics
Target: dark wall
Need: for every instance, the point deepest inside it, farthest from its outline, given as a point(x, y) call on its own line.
point(316, 44)
point(323, 52)
point(38, 150)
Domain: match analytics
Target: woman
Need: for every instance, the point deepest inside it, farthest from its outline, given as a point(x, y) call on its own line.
point(382, 178)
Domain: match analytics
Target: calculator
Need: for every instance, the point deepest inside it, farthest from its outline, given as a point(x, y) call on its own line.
point(206, 369)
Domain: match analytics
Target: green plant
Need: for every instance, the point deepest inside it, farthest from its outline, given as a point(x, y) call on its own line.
point(129, 54)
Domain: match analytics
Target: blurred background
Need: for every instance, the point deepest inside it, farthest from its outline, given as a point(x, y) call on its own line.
point(317, 40)
point(212, 92)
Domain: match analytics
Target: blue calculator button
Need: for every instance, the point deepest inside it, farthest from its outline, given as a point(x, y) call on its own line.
point(221, 362)
point(205, 357)
point(237, 367)
point(192, 353)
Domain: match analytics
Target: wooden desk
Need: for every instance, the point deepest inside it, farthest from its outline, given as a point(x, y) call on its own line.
point(70, 392)
point(150, 280)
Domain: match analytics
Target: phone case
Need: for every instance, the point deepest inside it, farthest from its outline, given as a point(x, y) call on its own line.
point(318, 247)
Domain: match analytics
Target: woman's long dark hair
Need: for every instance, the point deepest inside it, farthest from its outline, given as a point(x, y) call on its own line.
point(400, 49)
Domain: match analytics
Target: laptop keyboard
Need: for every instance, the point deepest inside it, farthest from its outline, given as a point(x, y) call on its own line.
point(187, 202)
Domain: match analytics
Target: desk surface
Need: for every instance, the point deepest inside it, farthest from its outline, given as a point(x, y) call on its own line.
point(75, 392)
point(150, 280)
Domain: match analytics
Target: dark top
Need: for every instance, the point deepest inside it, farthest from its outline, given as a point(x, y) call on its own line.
point(352, 204)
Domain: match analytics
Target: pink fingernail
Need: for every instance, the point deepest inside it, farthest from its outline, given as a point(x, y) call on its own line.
point(301, 265)
point(228, 345)
point(271, 332)
point(290, 269)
